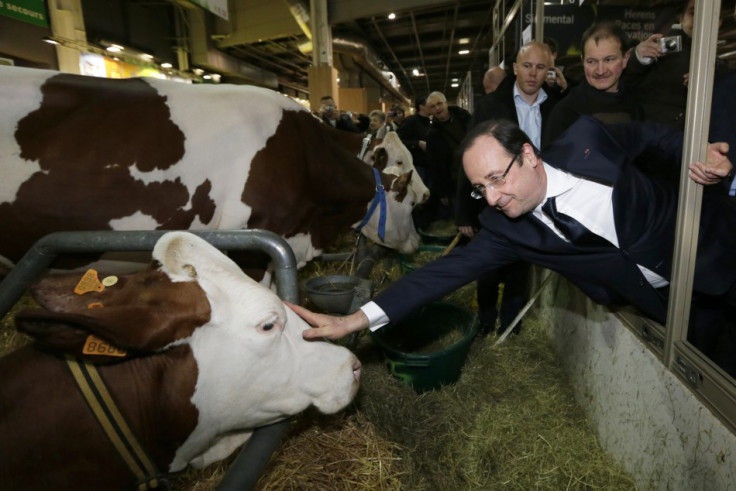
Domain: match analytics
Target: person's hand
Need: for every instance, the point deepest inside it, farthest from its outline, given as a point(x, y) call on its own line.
point(716, 167)
point(649, 48)
point(466, 230)
point(558, 79)
point(328, 326)
point(686, 79)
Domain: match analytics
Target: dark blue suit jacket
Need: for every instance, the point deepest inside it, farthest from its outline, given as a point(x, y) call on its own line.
point(644, 214)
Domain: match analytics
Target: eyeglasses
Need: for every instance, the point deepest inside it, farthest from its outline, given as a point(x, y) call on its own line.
point(479, 190)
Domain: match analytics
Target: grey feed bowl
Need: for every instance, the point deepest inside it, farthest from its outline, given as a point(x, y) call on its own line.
point(336, 293)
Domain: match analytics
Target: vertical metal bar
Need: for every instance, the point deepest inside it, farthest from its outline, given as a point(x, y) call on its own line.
point(539, 21)
point(697, 125)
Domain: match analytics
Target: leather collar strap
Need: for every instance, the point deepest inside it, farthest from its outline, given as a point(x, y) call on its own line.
point(116, 428)
point(379, 197)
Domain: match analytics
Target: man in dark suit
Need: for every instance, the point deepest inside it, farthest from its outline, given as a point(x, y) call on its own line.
point(522, 99)
point(589, 176)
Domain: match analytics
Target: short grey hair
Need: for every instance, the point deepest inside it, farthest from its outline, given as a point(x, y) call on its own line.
point(437, 95)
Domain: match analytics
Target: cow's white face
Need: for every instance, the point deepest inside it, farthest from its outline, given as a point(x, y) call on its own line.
point(399, 161)
point(399, 230)
point(392, 156)
point(254, 366)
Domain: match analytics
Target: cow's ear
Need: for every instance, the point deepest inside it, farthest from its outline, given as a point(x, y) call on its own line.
point(402, 183)
point(66, 334)
point(143, 312)
point(380, 158)
point(130, 328)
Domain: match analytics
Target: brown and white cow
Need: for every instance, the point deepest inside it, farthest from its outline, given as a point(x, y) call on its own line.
point(210, 355)
point(85, 153)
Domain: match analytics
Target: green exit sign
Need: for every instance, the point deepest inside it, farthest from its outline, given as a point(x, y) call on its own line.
point(31, 11)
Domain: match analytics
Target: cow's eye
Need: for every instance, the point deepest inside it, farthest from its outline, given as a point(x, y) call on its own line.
point(269, 326)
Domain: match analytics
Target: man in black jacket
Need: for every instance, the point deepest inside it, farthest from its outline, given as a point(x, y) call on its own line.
point(330, 115)
point(519, 98)
point(604, 48)
point(449, 125)
point(588, 175)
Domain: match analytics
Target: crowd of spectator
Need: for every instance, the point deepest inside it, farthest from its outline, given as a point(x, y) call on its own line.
point(624, 81)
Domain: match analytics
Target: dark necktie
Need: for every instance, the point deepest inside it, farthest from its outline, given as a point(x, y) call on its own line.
point(573, 230)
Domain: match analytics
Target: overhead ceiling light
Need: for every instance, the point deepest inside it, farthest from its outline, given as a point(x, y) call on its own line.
point(463, 41)
point(455, 79)
point(114, 48)
point(50, 40)
point(391, 16)
point(415, 72)
point(146, 56)
point(463, 52)
point(455, 85)
point(166, 65)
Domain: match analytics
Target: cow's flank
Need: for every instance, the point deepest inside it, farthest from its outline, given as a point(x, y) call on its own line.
point(85, 153)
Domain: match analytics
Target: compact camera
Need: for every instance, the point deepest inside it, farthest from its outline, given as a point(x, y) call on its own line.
point(670, 44)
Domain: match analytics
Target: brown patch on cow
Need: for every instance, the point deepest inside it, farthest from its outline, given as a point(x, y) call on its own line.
point(55, 442)
point(203, 206)
point(86, 136)
point(380, 159)
point(305, 181)
point(140, 313)
point(401, 186)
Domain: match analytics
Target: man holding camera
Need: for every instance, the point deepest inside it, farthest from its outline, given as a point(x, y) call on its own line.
point(330, 115)
point(659, 70)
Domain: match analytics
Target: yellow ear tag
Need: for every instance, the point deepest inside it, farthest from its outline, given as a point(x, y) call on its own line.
point(89, 283)
point(96, 346)
point(95, 305)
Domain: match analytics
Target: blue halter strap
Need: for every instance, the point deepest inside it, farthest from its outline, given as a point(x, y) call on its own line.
point(379, 197)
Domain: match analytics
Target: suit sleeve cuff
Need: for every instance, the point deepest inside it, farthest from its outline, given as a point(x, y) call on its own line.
point(377, 318)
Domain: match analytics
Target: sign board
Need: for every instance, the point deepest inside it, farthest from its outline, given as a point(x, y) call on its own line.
point(31, 11)
point(566, 23)
point(217, 7)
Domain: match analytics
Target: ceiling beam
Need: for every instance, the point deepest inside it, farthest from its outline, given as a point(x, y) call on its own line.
point(347, 10)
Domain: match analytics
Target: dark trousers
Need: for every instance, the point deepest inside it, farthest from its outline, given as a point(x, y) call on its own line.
point(515, 279)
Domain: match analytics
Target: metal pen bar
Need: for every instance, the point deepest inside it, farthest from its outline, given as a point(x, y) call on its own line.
point(47, 249)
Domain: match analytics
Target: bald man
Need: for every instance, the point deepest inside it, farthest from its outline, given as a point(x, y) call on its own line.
point(493, 78)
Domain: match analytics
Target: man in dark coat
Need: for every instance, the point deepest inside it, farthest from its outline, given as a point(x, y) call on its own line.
point(521, 98)
point(588, 175)
point(413, 134)
point(449, 126)
point(329, 113)
point(604, 48)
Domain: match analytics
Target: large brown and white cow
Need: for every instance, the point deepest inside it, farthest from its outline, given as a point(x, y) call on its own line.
point(211, 354)
point(85, 153)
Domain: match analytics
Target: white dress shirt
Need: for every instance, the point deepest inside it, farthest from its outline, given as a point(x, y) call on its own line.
point(588, 202)
point(530, 115)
